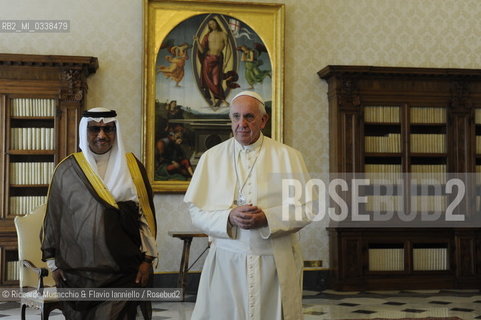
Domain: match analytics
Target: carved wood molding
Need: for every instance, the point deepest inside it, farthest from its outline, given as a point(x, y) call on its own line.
point(89, 64)
point(69, 72)
point(348, 93)
point(338, 70)
point(459, 97)
point(76, 85)
point(45, 67)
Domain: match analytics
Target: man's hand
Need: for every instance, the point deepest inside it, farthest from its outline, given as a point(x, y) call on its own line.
point(248, 217)
point(144, 273)
point(58, 277)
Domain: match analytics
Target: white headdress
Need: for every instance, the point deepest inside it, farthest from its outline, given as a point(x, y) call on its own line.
point(117, 176)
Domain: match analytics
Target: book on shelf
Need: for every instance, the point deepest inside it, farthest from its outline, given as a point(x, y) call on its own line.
point(381, 114)
point(22, 138)
point(32, 139)
point(42, 142)
point(478, 174)
point(31, 172)
point(430, 259)
point(386, 259)
point(382, 168)
point(477, 116)
point(390, 143)
point(384, 203)
point(428, 143)
point(427, 115)
point(383, 173)
point(429, 172)
point(478, 144)
point(428, 203)
point(32, 107)
point(13, 273)
point(395, 203)
point(22, 205)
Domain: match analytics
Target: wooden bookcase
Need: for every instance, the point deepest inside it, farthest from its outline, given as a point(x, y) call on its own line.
point(41, 99)
point(399, 122)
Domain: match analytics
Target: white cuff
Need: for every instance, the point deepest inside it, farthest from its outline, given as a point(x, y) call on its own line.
point(51, 265)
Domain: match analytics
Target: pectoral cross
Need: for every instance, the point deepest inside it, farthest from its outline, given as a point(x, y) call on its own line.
point(241, 200)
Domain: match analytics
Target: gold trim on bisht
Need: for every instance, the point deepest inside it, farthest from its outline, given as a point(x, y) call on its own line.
point(141, 192)
point(95, 180)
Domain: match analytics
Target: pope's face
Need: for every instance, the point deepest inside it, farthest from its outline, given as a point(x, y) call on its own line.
point(101, 136)
point(247, 120)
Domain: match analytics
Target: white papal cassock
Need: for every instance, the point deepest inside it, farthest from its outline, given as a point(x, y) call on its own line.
point(248, 274)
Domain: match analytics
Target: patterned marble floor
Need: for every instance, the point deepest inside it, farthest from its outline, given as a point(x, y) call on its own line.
point(334, 305)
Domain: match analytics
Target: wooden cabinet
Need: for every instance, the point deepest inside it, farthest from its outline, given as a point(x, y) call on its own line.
point(41, 98)
point(414, 125)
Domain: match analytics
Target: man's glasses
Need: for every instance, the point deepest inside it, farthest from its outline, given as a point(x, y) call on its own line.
point(105, 129)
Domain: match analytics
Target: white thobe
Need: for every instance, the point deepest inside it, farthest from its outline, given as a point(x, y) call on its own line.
point(148, 242)
point(248, 274)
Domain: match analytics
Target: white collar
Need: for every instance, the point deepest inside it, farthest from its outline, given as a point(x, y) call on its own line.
point(102, 157)
point(251, 147)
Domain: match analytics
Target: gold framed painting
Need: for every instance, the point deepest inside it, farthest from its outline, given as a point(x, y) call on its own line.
point(198, 55)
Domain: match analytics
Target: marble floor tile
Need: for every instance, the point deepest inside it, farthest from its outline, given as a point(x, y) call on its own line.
point(332, 305)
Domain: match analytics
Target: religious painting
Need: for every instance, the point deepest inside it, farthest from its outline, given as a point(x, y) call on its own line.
point(198, 55)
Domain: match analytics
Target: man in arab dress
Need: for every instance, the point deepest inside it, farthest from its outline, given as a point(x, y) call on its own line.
point(100, 227)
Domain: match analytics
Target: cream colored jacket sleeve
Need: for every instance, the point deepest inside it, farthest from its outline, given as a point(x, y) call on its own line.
point(214, 223)
point(149, 244)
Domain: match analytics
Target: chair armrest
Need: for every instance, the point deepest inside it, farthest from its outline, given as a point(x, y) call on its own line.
point(41, 272)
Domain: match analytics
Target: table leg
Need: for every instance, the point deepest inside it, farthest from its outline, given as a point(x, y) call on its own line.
point(184, 266)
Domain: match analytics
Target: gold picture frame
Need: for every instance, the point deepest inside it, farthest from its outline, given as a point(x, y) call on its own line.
point(188, 46)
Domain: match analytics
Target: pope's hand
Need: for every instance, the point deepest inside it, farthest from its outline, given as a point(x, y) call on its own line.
point(248, 217)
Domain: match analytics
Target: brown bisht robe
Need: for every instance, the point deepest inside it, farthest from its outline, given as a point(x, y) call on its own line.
point(95, 244)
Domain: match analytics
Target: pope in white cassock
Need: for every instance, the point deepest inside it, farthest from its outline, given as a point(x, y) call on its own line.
point(254, 266)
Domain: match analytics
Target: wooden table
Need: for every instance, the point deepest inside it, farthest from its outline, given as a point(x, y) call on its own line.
point(187, 237)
